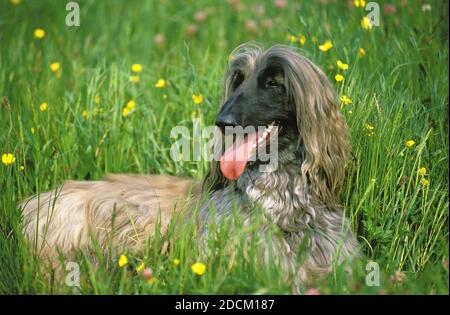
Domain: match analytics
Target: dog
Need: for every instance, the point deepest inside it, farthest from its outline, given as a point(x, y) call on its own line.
point(276, 88)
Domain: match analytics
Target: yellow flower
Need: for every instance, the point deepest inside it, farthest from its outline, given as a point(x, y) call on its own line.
point(123, 260)
point(198, 99)
point(43, 107)
point(361, 52)
point(198, 268)
point(161, 84)
point(292, 38)
point(22, 167)
point(135, 79)
point(365, 23)
point(176, 261)
point(8, 159)
point(97, 99)
point(39, 33)
point(346, 100)
point(368, 126)
point(85, 114)
point(302, 40)
point(422, 171)
point(152, 280)
point(125, 112)
point(410, 143)
point(33, 130)
point(136, 67)
point(326, 46)
point(425, 182)
point(55, 66)
point(341, 65)
point(15, 2)
point(140, 267)
point(131, 104)
point(339, 77)
point(359, 3)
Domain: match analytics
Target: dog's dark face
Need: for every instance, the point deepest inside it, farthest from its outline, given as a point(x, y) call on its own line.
point(259, 98)
point(258, 101)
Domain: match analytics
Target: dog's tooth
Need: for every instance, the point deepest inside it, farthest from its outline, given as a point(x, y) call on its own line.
point(260, 139)
point(254, 146)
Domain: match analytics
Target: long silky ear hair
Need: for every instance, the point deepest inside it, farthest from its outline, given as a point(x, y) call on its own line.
point(323, 131)
point(243, 57)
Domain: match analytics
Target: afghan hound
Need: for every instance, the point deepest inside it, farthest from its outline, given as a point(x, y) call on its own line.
point(275, 88)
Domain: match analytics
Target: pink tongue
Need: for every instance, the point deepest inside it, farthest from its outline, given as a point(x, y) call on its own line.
point(235, 158)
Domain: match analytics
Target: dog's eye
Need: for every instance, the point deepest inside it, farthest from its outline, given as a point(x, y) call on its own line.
point(272, 83)
point(238, 78)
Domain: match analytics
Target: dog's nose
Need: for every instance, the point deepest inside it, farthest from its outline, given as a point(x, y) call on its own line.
point(224, 120)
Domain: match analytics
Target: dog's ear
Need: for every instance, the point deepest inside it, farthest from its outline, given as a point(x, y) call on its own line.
point(323, 131)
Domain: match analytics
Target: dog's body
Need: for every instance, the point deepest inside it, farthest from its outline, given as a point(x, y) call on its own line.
point(300, 196)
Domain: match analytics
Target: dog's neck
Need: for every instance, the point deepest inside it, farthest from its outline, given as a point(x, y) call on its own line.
point(282, 193)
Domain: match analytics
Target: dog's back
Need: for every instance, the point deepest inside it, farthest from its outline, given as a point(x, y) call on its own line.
point(124, 207)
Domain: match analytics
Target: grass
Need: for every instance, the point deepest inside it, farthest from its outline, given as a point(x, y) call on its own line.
point(399, 92)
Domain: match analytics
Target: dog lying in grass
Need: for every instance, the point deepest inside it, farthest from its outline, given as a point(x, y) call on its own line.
point(293, 101)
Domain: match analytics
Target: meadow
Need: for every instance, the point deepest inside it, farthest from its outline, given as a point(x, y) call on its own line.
point(75, 107)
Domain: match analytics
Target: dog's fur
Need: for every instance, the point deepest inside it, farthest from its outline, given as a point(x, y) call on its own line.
point(300, 196)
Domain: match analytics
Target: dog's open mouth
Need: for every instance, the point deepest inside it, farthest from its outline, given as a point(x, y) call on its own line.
point(244, 149)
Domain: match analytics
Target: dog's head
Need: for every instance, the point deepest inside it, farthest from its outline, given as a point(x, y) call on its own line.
point(280, 88)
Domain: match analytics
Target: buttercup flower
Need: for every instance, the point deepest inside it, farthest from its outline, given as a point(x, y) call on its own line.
point(366, 24)
point(85, 114)
point(370, 129)
point(339, 77)
point(140, 267)
point(410, 143)
point(33, 130)
point(422, 171)
point(135, 79)
point(341, 65)
point(176, 261)
point(302, 40)
point(359, 3)
point(425, 182)
point(131, 104)
point(198, 99)
point(361, 52)
point(161, 84)
point(346, 100)
point(125, 112)
point(136, 67)
point(292, 38)
point(97, 99)
point(15, 2)
point(369, 126)
point(55, 66)
point(198, 268)
point(326, 46)
point(123, 260)
point(39, 33)
point(8, 159)
point(43, 107)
